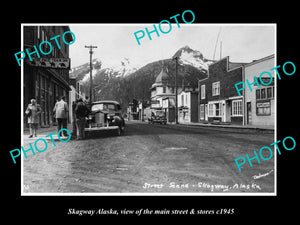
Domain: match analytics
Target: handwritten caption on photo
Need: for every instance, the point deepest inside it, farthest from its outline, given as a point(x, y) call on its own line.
point(268, 149)
point(203, 186)
point(291, 71)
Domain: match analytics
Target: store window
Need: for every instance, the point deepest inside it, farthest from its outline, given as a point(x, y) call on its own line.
point(237, 108)
point(214, 109)
point(263, 108)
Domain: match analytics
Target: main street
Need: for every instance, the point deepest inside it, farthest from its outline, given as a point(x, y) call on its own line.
point(151, 159)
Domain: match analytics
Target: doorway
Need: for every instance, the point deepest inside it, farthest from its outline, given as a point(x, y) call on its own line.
point(249, 113)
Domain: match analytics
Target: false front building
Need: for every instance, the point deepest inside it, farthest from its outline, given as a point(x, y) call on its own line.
point(259, 102)
point(187, 105)
point(219, 101)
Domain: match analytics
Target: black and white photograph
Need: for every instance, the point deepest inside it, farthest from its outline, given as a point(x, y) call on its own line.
point(149, 111)
point(145, 109)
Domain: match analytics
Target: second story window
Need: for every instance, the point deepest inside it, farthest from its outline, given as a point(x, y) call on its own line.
point(164, 89)
point(216, 88)
point(202, 91)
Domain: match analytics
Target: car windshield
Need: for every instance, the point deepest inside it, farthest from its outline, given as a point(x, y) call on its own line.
point(103, 106)
point(160, 113)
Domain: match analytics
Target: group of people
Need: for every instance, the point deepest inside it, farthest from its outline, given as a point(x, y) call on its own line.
point(60, 112)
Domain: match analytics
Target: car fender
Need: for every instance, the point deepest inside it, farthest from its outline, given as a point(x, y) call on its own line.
point(118, 120)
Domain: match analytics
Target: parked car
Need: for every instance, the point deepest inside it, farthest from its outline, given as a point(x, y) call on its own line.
point(157, 116)
point(105, 116)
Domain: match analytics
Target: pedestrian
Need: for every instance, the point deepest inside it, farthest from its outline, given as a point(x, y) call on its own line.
point(33, 111)
point(61, 111)
point(81, 111)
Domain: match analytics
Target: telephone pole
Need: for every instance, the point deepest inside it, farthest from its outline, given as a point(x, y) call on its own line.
point(91, 69)
point(176, 107)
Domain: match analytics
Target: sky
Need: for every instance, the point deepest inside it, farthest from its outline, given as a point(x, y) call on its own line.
point(241, 42)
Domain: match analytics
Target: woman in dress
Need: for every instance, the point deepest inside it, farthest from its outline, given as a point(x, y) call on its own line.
point(33, 111)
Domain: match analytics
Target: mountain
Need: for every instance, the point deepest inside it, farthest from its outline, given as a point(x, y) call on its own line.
point(123, 83)
point(122, 68)
point(195, 58)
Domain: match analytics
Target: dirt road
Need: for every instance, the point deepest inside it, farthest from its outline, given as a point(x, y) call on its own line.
point(151, 159)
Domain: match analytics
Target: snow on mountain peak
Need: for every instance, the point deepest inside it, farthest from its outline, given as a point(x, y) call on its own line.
point(193, 58)
point(111, 67)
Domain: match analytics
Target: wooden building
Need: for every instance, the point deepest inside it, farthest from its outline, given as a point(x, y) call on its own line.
point(44, 83)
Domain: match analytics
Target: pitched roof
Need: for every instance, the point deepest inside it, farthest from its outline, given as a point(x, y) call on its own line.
point(162, 77)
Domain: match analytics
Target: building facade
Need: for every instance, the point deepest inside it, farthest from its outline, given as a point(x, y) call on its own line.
point(163, 95)
point(44, 83)
point(161, 89)
point(259, 104)
point(187, 106)
point(218, 99)
point(168, 105)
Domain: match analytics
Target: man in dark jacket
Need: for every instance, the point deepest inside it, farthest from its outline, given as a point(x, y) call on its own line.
point(61, 112)
point(81, 111)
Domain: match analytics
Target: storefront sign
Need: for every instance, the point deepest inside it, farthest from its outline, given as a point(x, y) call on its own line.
point(262, 104)
point(57, 63)
point(41, 48)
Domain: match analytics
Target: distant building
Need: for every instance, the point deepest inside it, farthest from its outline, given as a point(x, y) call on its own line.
point(259, 104)
point(218, 99)
point(44, 83)
point(161, 89)
point(163, 95)
point(168, 105)
point(187, 105)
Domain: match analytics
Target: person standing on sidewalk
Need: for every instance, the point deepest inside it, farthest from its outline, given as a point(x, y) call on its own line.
point(33, 111)
point(81, 111)
point(61, 111)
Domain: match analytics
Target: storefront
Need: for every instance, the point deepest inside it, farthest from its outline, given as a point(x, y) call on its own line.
point(259, 104)
point(41, 84)
point(224, 111)
point(46, 83)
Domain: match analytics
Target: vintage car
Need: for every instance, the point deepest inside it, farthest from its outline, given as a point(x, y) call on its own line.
point(105, 116)
point(157, 116)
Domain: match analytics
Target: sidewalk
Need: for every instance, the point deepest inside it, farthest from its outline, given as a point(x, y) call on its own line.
point(250, 128)
point(42, 132)
point(265, 129)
